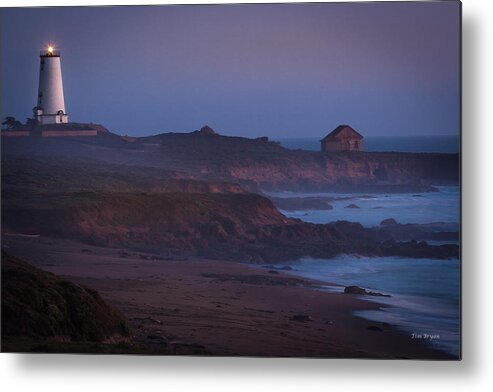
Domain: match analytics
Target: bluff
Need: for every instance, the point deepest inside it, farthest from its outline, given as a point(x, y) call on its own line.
point(144, 209)
point(230, 226)
point(254, 163)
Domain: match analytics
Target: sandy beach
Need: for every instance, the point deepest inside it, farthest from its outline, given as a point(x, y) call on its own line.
point(221, 308)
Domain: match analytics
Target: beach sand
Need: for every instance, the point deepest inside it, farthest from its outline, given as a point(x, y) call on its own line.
point(222, 308)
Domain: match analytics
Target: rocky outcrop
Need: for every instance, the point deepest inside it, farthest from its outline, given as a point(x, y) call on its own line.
point(438, 231)
point(39, 305)
point(207, 130)
point(388, 222)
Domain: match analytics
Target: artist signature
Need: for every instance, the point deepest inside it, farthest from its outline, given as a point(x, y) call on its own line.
point(426, 336)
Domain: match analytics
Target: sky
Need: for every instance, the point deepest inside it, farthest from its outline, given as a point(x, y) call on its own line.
point(277, 70)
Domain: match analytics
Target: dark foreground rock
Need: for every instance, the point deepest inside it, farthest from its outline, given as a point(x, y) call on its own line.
point(40, 306)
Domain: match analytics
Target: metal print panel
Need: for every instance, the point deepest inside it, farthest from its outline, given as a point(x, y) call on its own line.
point(271, 180)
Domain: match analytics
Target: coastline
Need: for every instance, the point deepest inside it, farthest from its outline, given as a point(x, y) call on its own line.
point(223, 308)
point(412, 306)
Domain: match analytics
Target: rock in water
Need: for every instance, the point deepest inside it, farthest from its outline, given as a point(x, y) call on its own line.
point(361, 291)
point(354, 290)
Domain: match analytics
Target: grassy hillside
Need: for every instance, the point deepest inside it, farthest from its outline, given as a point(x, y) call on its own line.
point(39, 306)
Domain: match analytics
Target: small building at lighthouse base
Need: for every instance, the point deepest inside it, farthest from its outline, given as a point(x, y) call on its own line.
point(42, 118)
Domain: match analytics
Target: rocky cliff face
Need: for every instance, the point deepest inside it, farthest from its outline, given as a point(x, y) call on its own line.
point(173, 222)
point(232, 226)
point(273, 167)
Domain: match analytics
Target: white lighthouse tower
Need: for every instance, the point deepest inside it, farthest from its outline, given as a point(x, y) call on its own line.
point(51, 104)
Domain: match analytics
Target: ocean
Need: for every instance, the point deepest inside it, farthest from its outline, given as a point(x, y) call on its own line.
point(443, 144)
point(426, 207)
point(425, 292)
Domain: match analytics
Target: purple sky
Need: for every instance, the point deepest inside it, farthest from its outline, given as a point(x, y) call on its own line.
point(285, 70)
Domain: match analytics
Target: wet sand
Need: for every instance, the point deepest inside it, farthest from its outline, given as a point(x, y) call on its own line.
point(222, 307)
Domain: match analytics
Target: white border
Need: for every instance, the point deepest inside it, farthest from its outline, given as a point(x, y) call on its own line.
point(146, 374)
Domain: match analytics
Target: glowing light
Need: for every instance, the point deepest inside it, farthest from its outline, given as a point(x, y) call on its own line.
point(50, 49)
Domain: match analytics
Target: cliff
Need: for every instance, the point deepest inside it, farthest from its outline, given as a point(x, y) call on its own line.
point(231, 226)
point(273, 167)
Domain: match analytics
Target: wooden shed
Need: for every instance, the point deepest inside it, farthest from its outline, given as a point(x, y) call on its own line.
point(343, 138)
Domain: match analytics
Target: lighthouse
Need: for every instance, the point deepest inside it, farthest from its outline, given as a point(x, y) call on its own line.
point(50, 108)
